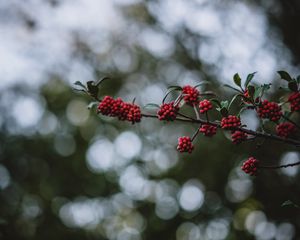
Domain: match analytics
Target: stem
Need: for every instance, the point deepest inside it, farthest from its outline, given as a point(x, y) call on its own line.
point(281, 166)
point(195, 134)
point(196, 112)
point(245, 130)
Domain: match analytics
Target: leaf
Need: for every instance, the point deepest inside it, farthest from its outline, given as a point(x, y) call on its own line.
point(249, 79)
point(224, 104)
point(92, 104)
point(97, 83)
point(233, 99)
point(202, 83)
point(151, 105)
point(233, 88)
point(92, 89)
point(237, 79)
point(251, 91)
point(285, 76)
point(293, 86)
point(288, 203)
point(216, 101)
point(80, 84)
point(171, 89)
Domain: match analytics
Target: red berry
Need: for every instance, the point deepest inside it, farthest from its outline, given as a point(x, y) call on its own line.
point(246, 94)
point(270, 110)
point(205, 105)
point(185, 144)
point(208, 130)
point(230, 121)
point(167, 111)
point(250, 166)
point(238, 137)
point(294, 100)
point(285, 129)
point(130, 112)
point(109, 106)
point(191, 95)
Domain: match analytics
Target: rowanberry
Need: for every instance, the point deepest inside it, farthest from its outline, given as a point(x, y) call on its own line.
point(168, 112)
point(185, 144)
point(230, 121)
point(238, 137)
point(208, 130)
point(205, 105)
point(269, 110)
point(109, 106)
point(285, 129)
point(294, 100)
point(191, 95)
point(130, 112)
point(250, 166)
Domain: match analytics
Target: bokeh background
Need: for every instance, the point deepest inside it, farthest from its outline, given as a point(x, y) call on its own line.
point(66, 173)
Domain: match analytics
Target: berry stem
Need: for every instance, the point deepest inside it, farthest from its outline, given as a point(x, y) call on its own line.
point(196, 112)
point(281, 166)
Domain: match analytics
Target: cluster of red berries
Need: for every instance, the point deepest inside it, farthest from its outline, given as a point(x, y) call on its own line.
point(285, 129)
point(238, 137)
point(230, 121)
point(167, 111)
point(208, 130)
point(205, 105)
point(190, 95)
point(294, 100)
point(270, 110)
point(250, 166)
point(185, 144)
point(118, 108)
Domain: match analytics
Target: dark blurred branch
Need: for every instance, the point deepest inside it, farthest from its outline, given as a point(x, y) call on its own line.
point(281, 166)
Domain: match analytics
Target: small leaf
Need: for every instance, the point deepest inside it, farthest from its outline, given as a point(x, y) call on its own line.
point(171, 89)
point(92, 104)
point(224, 104)
point(249, 79)
point(78, 83)
point(289, 203)
point(233, 99)
point(233, 88)
point(251, 91)
point(224, 112)
point(97, 83)
point(237, 79)
point(151, 105)
point(285, 76)
point(92, 89)
point(202, 83)
point(216, 101)
point(293, 86)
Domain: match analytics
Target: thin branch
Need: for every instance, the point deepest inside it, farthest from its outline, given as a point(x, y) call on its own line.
point(281, 166)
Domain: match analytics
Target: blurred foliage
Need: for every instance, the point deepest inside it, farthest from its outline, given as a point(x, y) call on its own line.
point(76, 175)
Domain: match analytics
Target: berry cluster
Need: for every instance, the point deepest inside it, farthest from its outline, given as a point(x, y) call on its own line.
point(167, 112)
point(205, 105)
point(185, 144)
point(118, 108)
point(230, 121)
point(285, 129)
point(238, 137)
point(294, 100)
point(208, 130)
point(250, 166)
point(270, 110)
point(191, 95)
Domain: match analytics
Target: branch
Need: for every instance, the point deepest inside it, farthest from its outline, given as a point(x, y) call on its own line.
point(281, 166)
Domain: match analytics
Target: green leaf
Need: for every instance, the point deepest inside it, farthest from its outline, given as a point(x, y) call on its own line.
point(233, 99)
point(233, 88)
point(216, 101)
point(293, 86)
point(237, 79)
point(251, 91)
point(224, 112)
point(92, 89)
point(249, 79)
point(151, 105)
point(285, 76)
point(78, 83)
point(288, 203)
point(97, 83)
point(171, 89)
point(224, 104)
point(92, 104)
point(202, 83)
